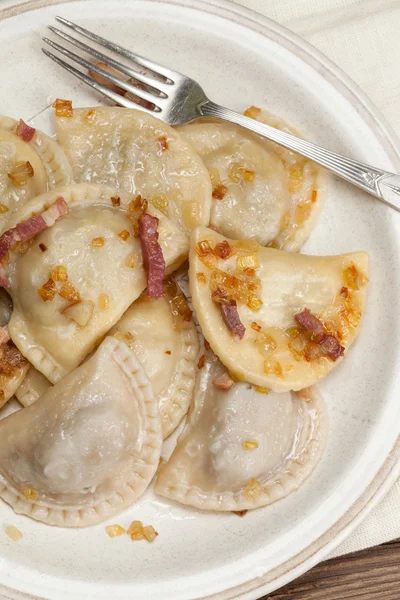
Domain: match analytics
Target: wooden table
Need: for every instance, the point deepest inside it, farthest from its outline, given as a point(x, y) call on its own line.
point(372, 574)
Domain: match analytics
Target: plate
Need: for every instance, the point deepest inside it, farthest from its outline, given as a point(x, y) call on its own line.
point(241, 59)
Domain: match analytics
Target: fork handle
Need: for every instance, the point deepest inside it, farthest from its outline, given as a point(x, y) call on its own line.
point(381, 184)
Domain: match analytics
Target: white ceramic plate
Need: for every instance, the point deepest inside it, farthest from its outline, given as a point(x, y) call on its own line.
point(241, 59)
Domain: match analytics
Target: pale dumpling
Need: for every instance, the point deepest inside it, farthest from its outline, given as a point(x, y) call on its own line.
point(260, 190)
point(141, 154)
point(50, 167)
point(253, 305)
point(88, 447)
point(242, 449)
point(80, 275)
point(167, 346)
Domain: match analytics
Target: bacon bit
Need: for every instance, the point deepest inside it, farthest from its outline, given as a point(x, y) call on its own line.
point(252, 112)
point(314, 194)
point(115, 200)
point(232, 320)
point(262, 390)
point(202, 362)
point(43, 247)
point(97, 242)
point(80, 312)
point(168, 352)
point(115, 530)
point(135, 531)
point(223, 382)
point(162, 140)
point(30, 494)
point(331, 346)
point(63, 108)
point(47, 291)
point(104, 301)
point(256, 326)
point(13, 533)
point(250, 445)
point(124, 234)
point(223, 250)
point(310, 322)
point(201, 278)
point(254, 303)
point(150, 533)
point(253, 490)
point(344, 292)
point(21, 174)
point(3, 209)
point(25, 132)
point(247, 262)
point(59, 273)
point(68, 292)
point(26, 230)
point(160, 203)
point(240, 513)
point(153, 258)
point(219, 191)
point(273, 368)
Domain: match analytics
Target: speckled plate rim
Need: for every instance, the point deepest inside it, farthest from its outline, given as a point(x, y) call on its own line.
point(390, 470)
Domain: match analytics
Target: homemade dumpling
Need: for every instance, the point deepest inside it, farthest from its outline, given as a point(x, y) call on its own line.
point(276, 319)
point(88, 447)
point(19, 181)
point(260, 191)
point(167, 346)
point(141, 154)
point(80, 275)
point(242, 449)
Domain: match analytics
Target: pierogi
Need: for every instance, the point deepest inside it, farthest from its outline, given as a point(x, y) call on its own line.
point(242, 449)
point(88, 447)
point(49, 168)
point(140, 154)
point(266, 291)
point(79, 276)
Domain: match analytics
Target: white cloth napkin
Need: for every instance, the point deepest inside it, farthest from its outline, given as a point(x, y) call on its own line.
point(361, 37)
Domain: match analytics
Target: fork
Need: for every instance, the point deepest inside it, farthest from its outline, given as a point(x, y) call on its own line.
point(176, 99)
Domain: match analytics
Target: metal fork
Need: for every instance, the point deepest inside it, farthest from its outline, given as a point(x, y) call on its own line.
point(177, 99)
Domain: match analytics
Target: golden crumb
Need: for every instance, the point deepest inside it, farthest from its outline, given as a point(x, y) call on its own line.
point(250, 445)
point(253, 490)
point(68, 292)
point(124, 234)
point(130, 261)
point(3, 209)
point(97, 242)
point(104, 301)
point(135, 531)
point(115, 530)
point(13, 533)
point(150, 533)
point(115, 200)
point(29, 493)
point(63, 108)
point(21, 174)
point(47, 291)
point(59, 273)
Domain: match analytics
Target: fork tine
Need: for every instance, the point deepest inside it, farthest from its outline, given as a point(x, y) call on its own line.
point(125, 85)
point(144, 62)
point(117, 98)
point(150, 81)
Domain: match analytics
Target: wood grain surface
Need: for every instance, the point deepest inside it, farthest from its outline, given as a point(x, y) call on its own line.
point(372, 574)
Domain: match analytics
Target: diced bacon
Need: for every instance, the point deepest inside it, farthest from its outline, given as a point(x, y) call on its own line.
point(4, 335)
point(223, 382)
point(153, 258)
point(26, 230)
point(310, 322)
point(331, 346)
point(231, 318)
point(31, 227)
point(25, 132)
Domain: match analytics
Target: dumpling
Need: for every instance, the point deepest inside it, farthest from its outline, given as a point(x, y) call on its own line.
point(259, 192)
point(13, 366)
point(88, 447)
point(49, 167)
point(141, 154)
point(79, 275)
point(242, 449)
point(33, 387)
point(276, 319)
point(167, 346)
